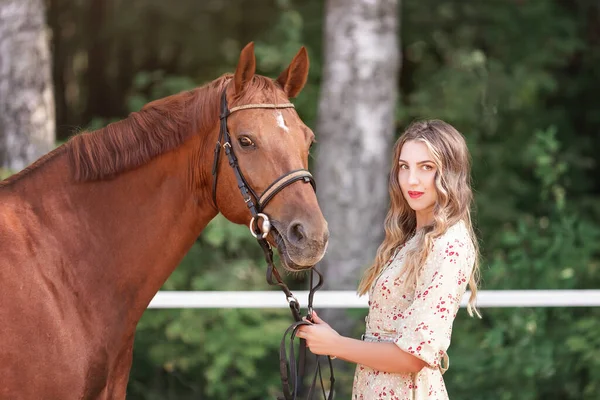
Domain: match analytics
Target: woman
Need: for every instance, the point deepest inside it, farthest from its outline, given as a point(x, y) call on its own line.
point(420, 273)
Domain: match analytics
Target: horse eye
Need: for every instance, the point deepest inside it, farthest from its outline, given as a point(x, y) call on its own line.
point(245, 141)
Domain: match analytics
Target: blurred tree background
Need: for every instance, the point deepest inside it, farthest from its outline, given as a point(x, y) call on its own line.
point(519, 78)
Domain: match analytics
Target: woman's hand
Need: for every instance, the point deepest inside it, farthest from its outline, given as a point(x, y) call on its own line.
point(320, 338)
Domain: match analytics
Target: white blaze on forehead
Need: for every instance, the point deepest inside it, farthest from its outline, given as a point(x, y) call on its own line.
point(281, 121)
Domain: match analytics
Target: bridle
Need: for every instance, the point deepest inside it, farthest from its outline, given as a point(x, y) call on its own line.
point(256, 204)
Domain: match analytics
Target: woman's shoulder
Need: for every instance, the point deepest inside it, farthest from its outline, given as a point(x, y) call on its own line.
point(456, 236)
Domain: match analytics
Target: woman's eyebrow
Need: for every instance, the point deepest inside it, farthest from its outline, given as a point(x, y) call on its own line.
point(418, 163)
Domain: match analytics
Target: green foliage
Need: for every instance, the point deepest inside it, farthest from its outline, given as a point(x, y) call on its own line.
point(148, 86)
point(5, 173)
point(546, 350)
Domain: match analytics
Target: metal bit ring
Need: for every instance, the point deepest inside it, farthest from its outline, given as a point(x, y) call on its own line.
point(265, 227)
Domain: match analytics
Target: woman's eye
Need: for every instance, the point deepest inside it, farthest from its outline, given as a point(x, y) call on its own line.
point(427, 167)
point(403, 166)
point(245, 141)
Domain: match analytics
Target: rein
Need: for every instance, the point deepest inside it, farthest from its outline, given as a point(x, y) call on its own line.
point(287, 365)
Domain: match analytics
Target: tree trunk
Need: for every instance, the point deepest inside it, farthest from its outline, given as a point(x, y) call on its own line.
point(355, 133)
point(27, 116)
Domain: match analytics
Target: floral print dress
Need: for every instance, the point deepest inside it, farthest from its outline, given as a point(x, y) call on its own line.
point(420, 323)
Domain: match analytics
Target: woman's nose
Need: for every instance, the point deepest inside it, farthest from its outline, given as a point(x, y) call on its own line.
point(413, 179)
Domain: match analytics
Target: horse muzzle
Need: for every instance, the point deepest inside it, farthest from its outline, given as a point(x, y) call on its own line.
point(299, 248)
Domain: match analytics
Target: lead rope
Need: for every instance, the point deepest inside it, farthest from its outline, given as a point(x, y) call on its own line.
point(287, 366)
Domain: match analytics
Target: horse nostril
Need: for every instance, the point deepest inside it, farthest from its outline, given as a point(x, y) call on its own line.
point(296, 233)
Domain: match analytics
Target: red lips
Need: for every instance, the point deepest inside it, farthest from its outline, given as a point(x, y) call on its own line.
point(415, 195)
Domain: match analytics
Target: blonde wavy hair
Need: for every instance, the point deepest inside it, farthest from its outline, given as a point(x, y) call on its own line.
point(454, 200)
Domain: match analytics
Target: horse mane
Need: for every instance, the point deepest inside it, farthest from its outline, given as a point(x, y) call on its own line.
point(160, 126)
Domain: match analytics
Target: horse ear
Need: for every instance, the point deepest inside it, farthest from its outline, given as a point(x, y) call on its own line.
point(246, 67)
point(293, 79)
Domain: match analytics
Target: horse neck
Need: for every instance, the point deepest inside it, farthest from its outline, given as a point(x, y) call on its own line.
point(120, 239)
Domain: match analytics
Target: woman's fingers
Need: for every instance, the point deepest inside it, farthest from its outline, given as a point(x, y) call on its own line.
point(315, 317)
point(301, 332)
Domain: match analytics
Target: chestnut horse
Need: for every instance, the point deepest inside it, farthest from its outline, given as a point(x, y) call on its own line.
point(91, 231)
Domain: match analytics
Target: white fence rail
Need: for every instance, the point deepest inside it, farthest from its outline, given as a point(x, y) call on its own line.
point(349, 299)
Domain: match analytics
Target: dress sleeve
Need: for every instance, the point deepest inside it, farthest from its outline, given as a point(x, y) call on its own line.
point(425, 327)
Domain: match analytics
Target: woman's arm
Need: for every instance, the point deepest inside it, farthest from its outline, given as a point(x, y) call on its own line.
point(387, 357)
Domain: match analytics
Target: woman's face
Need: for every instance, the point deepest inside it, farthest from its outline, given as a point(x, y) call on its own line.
point(417, 179)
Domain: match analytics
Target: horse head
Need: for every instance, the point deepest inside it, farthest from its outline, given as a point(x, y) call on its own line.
point(270, 146)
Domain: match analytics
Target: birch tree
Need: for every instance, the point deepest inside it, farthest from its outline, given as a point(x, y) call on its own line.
point(27, 121)
point(355, 133)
